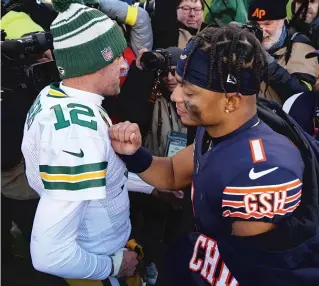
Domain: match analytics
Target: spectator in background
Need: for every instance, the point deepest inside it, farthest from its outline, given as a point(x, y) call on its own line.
point(309, 13)
point(289, 71)
point(176, 21)
point(190, 13)
point(190, 17)
point(305, 19)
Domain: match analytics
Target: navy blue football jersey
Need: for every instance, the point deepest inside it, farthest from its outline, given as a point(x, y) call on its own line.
point(252, 174)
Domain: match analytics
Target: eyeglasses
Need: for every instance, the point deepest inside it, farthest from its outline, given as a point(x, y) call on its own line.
point(187, 10)
point(171, 70)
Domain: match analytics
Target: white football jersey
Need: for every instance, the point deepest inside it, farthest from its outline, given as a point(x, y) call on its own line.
point(68, 156)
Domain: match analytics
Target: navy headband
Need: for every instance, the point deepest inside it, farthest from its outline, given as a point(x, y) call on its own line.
point(197, 73)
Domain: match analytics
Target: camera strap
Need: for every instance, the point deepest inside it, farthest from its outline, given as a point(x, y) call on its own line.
point(287, 53)
point(289, 47)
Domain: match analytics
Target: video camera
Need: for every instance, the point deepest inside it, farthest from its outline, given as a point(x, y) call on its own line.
point(157, 60)
point(19, 61)
point(254, 28)
point(35, 43)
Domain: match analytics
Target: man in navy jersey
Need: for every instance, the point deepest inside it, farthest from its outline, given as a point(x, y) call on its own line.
point(248, 182)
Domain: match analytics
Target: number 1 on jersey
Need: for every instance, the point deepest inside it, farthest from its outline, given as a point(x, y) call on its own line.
point(74, 113)
point(61, 122)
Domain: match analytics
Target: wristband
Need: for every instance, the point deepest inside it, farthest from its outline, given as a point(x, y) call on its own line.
point(117, 262)
point(138, 162)
point(112, 268)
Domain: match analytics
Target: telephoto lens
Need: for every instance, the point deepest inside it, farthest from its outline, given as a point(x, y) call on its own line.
point(153, 61)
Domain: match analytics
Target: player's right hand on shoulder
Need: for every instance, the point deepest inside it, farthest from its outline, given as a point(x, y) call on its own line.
point(129, 263)
point(125, 137)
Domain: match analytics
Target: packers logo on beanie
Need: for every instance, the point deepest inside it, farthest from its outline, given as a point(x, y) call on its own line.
point(85, 40)
point(262, 10)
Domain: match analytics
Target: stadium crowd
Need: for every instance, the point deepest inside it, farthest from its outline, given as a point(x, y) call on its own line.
point(160, 142)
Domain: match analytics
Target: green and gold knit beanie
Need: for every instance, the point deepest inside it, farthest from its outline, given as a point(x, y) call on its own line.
point(85, 40)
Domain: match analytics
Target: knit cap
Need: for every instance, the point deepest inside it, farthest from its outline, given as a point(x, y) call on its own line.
point(85, 40)
point(262, 10)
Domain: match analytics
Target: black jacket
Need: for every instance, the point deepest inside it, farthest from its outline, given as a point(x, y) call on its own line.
point(304, 221)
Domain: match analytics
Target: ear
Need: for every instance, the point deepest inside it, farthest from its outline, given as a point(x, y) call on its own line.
point(233, 101)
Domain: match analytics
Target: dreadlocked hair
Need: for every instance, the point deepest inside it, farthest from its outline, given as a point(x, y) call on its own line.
point(231, 50)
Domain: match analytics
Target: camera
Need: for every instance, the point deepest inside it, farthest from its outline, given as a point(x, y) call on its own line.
point(35, 43)
point(254, 28)
point(23, 77)
point(157, 60)
point(19, 61)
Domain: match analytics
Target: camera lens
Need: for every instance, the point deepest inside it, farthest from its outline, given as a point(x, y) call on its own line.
point(152, 61)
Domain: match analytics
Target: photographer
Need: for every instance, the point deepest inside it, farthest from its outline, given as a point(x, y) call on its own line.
point(165, 119)
point(18, 200)
point(289, 71)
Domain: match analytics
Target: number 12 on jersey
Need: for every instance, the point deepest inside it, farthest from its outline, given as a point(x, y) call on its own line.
point(75, 110)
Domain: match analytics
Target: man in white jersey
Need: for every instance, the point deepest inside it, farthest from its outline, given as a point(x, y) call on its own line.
point(82, 222)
